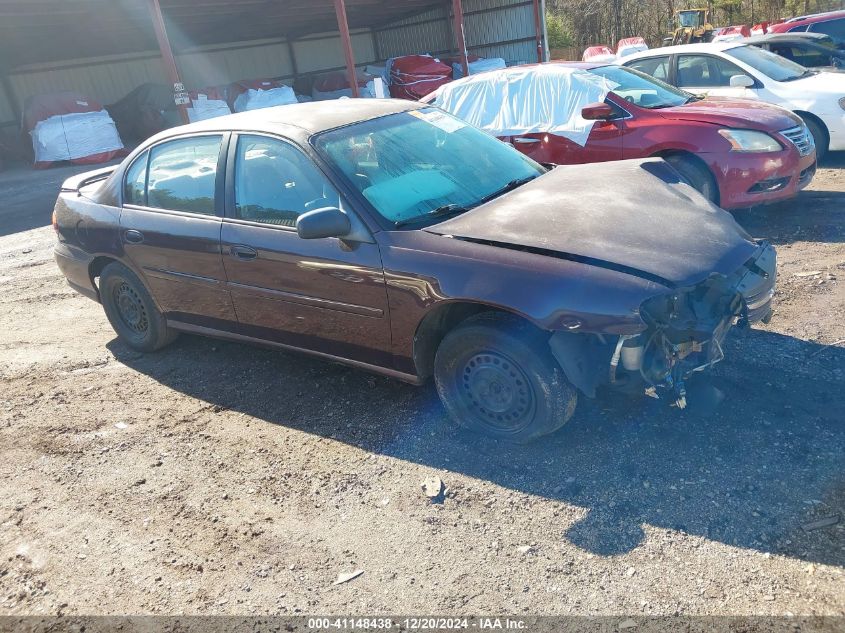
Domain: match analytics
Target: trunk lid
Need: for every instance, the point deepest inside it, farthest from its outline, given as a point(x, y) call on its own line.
point(87, 182)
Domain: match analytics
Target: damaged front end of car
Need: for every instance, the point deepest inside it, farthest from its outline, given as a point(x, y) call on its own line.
point(686, 328)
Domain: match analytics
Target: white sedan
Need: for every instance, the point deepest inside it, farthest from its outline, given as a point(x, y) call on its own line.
point(734, 69)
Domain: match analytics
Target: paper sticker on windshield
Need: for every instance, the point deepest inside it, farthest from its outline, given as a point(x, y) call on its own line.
point(439, 120)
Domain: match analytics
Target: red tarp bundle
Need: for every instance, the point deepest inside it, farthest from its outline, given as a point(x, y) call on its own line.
point(742, 31)
point(414, 76)
point(596, 51)
point(632, 43)
point(40, 108)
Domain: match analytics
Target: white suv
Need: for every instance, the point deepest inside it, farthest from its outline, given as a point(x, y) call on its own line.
point(734, 69)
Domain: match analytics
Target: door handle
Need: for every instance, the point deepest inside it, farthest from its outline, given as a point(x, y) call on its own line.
point(524, 140)
point(133, 237)
point(244, 253)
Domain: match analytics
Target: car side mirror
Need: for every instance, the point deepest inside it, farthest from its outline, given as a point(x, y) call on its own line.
point(741, 81)
point(597, 112)
point(325, 222)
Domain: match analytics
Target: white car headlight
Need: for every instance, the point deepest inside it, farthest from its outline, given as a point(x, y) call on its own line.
point(750, 141)
point(842, 103)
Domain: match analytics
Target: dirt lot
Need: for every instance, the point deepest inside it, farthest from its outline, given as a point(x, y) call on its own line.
point(215, 478)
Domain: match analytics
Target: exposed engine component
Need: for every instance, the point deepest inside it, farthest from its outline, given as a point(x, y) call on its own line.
point(687, 327)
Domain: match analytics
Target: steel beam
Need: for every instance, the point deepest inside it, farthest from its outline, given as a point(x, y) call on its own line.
point(538, 32)
point(346, 41)
point(460, 34)
point(166, 52)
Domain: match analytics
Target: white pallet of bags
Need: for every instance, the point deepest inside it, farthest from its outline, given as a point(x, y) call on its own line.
point(204, 108)
point(76, 135)
point(257, 99)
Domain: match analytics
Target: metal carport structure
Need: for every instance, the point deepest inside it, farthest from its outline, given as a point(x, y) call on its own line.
point(39, 34)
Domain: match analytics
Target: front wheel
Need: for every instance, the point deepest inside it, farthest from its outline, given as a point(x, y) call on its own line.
point(496, 375)
point(131, 311)
point(819, 138)
point(697, 175)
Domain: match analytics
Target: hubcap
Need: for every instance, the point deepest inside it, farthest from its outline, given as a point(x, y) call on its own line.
point(130, 308)
point(497, 391)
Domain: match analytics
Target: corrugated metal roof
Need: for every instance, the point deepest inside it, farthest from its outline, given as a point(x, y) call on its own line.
point(35, 31)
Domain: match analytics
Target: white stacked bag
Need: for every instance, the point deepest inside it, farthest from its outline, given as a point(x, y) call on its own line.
point(266, 95)
point(74, 136)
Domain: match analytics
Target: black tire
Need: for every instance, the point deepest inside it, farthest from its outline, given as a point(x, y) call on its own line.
point(820, 138)
point(131, 311)
point(697, 175)
point(496, 375)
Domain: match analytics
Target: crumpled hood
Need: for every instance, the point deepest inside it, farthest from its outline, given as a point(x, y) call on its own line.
point(632, 216)
point(734, 113)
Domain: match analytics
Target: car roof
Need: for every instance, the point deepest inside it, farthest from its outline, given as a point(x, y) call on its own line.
point(307, 118)
point(800, 37)
point(709, 47)
point(520, 68)
point(789, 38)
point(816, 17)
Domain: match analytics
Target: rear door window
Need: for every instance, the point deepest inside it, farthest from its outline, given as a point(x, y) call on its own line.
point(657, 67)
point(704, 71)
point(834, 28)
point(808, 57)
point(135, 182)
point(183, 175)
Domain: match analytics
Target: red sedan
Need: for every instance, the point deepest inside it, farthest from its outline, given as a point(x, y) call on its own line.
point(737, 153)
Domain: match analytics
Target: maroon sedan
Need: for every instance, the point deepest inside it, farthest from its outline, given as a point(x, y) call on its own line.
point(396, 238)
point(737, 153)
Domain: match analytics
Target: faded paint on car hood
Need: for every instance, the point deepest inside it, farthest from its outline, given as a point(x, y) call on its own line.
point(632, 216)
point(734, 113)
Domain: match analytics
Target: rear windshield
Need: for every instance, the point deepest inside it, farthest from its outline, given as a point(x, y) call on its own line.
point(770, 64)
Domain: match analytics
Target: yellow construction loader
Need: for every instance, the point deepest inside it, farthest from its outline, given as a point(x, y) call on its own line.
point(693, 25)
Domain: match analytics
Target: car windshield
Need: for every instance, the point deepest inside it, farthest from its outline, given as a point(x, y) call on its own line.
point(770, 64)
point(641, 89)
point(413, 167)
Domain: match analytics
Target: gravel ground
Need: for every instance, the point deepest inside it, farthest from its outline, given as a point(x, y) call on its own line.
point(215, 478)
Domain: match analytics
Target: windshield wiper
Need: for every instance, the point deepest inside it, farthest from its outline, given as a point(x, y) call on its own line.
point(446, 209)
point(455, 209)
point(806, 73)
point(513, 184)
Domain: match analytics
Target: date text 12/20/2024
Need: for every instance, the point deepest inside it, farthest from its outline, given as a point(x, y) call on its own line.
point(417, 624)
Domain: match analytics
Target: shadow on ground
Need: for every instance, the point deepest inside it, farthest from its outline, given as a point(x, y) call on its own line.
point(749, 473)
point(29, 195)
point(814, 216)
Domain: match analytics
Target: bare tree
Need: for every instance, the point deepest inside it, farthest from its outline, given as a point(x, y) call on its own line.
point(588, 22)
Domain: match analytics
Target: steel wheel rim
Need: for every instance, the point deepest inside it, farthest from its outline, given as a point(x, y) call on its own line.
point(130, 308)
point(497, 392)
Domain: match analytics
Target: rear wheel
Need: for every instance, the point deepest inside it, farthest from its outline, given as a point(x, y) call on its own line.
point(495, 375)
point(820, 138)
point(697, 175)
point(131, 311)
